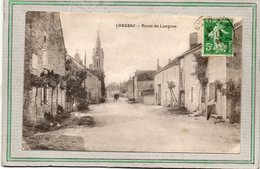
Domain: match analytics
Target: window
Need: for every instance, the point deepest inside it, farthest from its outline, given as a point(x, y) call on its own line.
point(44, 95)
point(181, 63)
point(140, 94)
point(35, 61)
point(191, 94)
point(203, 95)
point(211, 91)
point(166, 98)
point(163, 77)
point(44, 58)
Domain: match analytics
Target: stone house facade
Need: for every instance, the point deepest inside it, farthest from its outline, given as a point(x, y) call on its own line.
point(179, 72)
point(219, 71)
point(164, 76)
point(44, 58)
point(190, 87)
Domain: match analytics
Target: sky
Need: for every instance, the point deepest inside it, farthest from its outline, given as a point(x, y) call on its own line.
point(127, 49)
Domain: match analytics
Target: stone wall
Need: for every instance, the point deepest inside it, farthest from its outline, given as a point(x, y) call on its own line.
point(192, 86)
point(44, 51)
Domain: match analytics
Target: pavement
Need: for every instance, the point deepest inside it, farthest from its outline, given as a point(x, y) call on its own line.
point(121, 126)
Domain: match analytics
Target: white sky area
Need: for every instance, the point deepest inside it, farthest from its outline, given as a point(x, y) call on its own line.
point(126, 49)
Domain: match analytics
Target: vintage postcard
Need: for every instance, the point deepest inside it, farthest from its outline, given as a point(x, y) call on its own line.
point(131, 84)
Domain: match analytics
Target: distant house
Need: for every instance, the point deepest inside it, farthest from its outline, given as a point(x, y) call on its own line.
point(111, 89)
point(44, 66)
point(143, 86)
point(93, 86)
point(130, 89)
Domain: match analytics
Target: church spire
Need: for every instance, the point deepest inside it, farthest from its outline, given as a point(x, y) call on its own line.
point(98, 55)
point(98, 42)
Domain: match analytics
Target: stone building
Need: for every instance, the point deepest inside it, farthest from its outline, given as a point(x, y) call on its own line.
point(130, 89)
point(143, 86)
point(190, 87)
point(212, 95)
point(179, 73)
point(98, 55)
point(92, 84)
point(164, 76)
point(97, 66)
point(44, 65)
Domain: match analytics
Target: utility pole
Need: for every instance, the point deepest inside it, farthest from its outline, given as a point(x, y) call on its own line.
point(85, 70)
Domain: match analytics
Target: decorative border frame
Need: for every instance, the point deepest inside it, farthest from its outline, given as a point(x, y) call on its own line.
point(11, 3)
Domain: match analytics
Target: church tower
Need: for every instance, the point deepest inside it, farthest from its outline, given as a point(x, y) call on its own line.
point(98, 56)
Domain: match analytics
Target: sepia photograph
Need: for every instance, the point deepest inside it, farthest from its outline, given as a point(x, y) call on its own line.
point(132, 82)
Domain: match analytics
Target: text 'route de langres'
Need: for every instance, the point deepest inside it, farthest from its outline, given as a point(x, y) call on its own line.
point(167, 26)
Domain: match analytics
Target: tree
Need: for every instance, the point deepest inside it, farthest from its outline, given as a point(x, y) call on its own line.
point(201, 69)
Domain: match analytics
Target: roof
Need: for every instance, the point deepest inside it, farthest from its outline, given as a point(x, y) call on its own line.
point(176, 60)
point(145, 75)
point(80, 66)
point(171, 64)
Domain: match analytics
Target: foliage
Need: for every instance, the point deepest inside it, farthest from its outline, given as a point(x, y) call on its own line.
point(74, 84)
point(36, 81)
point(51, 79)
point(233, 93)
point(201, 68)
point(218, 85)
point(45, 79)
point(233, 90)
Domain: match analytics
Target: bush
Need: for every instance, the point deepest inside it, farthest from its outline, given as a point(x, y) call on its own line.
point(86, 121)
point(102, 100)
point(82, 106)
point(61, 114)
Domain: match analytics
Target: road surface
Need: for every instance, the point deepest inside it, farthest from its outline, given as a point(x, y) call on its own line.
point(147, 128)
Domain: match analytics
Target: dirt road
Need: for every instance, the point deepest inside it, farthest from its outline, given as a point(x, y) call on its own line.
point(137, 127)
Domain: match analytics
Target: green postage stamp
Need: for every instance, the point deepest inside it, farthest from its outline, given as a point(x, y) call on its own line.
point(218, 37)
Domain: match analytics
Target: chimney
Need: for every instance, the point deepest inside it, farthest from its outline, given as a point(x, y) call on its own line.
point(169, 60)
point(158, 65)
point(85, 59)
point(80, 62)
point(193, 39)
